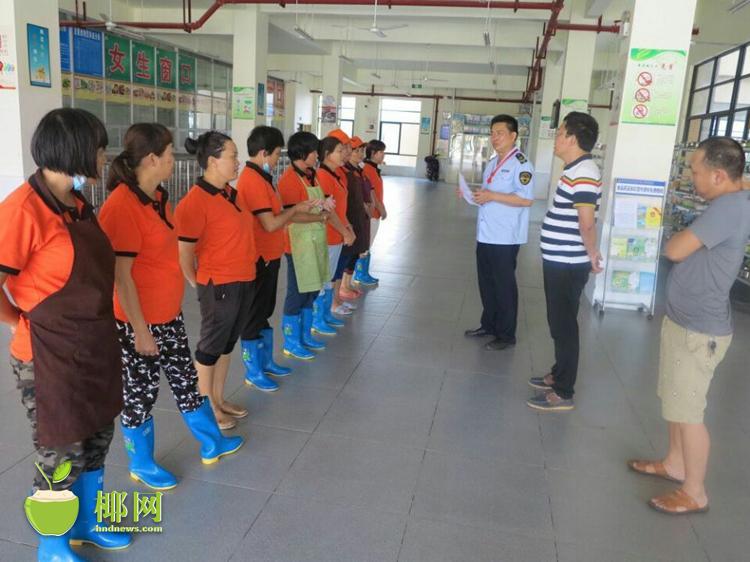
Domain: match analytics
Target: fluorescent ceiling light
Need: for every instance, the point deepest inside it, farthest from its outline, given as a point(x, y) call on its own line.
point(376, 75)
point(486, 36)
point(346, 59)
point(352, 82)
point(492, 66)
point(302, 34)
point(737, 6)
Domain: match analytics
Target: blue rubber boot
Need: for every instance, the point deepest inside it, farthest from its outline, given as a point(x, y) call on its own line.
point(327, 314)
point(202, 424)
point(292, 326)
point(370, 279)
point(56, 549)
point(139, 445)
point(252, 352)
point(307, 339)
point(319, 324)
point(270, 367)
point(84, 530)
point(360, 273)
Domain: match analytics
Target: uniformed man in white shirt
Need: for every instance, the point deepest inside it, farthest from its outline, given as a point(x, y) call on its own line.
point(502, 226)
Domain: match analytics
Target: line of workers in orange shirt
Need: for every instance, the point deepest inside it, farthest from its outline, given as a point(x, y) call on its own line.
point(81, 357)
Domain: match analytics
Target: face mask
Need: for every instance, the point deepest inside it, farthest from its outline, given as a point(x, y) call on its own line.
point(79, 182)
point(267, 167)
point(361, 165)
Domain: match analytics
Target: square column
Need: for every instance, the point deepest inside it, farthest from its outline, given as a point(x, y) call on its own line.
point(332, 75)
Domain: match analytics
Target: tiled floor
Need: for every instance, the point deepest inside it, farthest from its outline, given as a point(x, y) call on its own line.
point(405, 441)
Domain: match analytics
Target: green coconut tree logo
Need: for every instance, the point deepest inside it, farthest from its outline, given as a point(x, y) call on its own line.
point(50, 512)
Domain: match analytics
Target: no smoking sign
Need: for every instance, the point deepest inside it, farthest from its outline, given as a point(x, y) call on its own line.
point(645, 79)
point(640, 111)
point(642, 95)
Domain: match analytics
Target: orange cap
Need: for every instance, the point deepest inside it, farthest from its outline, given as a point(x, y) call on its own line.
point(357, 142)
point(340, 135)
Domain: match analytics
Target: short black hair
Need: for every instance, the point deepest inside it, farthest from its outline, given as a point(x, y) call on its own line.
point(66, 140)
point(301, 145)
point(374, 146)
point(583, 127)
point(509, 120)
point(326, 146)
point(724, 153)
point(265, 138)
point(210, 143)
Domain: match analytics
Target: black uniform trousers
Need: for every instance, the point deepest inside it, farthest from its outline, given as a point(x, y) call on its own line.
point(563, 285)
point(264, 302)
point(496, 271)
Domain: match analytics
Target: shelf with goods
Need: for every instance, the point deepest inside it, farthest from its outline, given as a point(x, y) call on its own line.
point(684, 205)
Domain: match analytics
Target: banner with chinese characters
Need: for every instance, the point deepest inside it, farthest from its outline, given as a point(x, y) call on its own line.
point(186, 102)
point(166, 75)
point(65, 65)
point(117, 58)
point(118, 92)
point(143, 64)
point(166, 99)
point(89, 88)
point(143, 95)
point(187, 73)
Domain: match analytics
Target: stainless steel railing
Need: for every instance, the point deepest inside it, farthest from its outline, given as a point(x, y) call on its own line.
point(186, 171)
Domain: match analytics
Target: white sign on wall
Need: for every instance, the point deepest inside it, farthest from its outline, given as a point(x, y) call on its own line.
point(8, 65)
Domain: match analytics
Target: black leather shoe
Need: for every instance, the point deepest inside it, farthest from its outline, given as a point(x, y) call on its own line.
point(499, 345)
point(478, 333)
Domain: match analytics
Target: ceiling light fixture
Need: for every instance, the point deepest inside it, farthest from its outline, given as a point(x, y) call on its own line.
point(486, 35)
point(346, 59)
point(737, 6)
point(302, 34)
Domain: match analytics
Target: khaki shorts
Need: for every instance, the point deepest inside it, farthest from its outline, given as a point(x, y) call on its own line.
point(687, 361)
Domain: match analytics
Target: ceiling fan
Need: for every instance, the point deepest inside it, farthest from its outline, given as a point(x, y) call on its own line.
point(425, 76)
point(108, 24)
point(376, 29)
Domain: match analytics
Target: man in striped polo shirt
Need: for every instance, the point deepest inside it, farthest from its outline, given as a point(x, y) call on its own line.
point(570, 253)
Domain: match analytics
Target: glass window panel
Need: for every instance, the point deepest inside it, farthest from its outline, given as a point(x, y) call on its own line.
point(746, 63)
point(700, 102)
point(409, 139)
point(400, 116)
point(204, 85)
point(738, 125)
point(401, 104)
point(95, 107)
point(721, 125)
point(694, 130)
point(721, 97)
point(389, 134)
point(743, 96)
point(703, 74)
point(347, 126)
point(705, 129)
point(405, 161)
point(728, 66)
point(220, 122)
point(143, 113)
point(221, 81)
point(165, 116)
point(348, 102)
point(347, 113)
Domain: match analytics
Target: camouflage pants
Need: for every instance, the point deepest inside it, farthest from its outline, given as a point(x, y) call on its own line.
point(85, 456)
point(140, 373)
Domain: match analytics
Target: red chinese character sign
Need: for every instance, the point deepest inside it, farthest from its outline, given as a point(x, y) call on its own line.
point(143, 64)
point(167, 69)
point(117, 58)
point(186, 73)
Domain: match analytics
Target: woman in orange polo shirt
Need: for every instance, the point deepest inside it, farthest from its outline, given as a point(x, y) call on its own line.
point(374, 157)
point(258, 195)
point(331, 154)
point(58, 267)
point(216, 239)
point(149, 286)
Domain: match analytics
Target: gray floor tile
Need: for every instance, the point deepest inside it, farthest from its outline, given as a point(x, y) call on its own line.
point(386, 378)
point(355, 473)
point(410, 351)
point(485, 494)
point(432, 541)
point(330, 369)
point(568, 552)
point(294, 529)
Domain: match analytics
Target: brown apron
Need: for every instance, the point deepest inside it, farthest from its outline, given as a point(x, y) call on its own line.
point(77, 357)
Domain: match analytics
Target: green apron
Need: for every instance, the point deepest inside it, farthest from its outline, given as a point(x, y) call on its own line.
point(310, 248)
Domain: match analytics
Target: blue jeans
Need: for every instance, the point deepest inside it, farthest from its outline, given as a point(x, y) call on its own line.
point(295, 301)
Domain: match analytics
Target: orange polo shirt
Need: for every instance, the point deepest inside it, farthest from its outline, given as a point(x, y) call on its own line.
point(293, 189)
point(222, 231)
point(333, 185)
point(35, 251)
point(372, 173)
point(143, 228)
point(257, 194)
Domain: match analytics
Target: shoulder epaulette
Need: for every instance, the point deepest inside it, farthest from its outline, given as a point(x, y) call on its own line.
point(521, 158)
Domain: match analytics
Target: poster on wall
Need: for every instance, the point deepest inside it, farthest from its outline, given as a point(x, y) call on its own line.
point(653, 86)
point(328, 110)
point(8, 70)
point(545, 128)
point(118, 92)
point(261, 105)
point(117, 58)
point(65, 50)
point(243, 102)
point(424, 125)
point(87, 52)
point(143, 64)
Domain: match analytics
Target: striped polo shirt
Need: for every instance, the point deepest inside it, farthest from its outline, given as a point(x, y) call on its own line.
point(580, 185)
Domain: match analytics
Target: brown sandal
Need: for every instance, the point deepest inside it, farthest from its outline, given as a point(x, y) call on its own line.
point(652, 468)
point(235, 411)
point(678, 502)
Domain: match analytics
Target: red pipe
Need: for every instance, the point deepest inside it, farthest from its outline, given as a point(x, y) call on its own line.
point(598, 27)
point(550, 28)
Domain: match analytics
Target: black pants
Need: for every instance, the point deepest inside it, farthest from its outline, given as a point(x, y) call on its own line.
point(264, 303)
point(496, 269)
point(140, 373)
point(563, 285)
point(295, 301)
